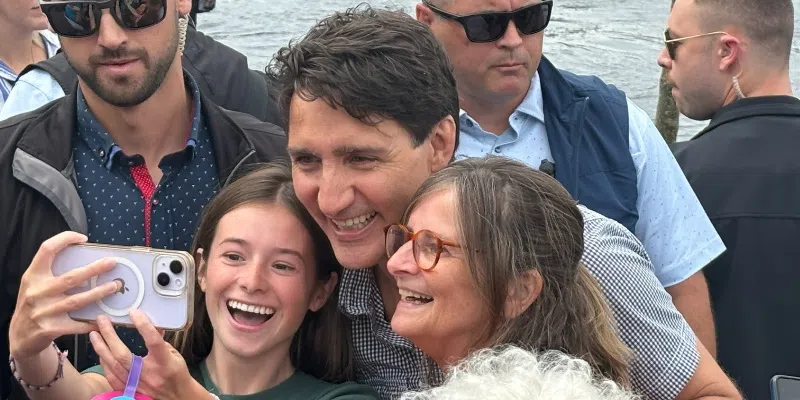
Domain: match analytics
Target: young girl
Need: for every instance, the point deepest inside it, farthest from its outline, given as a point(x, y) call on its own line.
point(263, 326)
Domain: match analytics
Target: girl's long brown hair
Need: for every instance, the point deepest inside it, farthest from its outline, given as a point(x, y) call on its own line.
point(511, 219)
point(321, 346)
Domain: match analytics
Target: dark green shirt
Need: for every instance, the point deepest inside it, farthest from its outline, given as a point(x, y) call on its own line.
point(299, 386)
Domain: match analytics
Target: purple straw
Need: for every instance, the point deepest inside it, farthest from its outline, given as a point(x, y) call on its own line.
point(133, 377)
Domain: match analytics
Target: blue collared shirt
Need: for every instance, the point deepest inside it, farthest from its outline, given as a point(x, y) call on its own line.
point(8, 77)
point(673, 226)
point(116, 203)
point(33, 89)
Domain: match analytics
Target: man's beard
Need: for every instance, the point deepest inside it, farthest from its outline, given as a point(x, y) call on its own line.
point(121, 91)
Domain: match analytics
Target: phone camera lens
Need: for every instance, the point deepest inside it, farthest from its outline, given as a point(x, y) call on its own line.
point(176, 267)
point(163, 279)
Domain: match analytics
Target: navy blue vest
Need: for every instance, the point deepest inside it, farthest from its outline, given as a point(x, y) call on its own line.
point(587, 126)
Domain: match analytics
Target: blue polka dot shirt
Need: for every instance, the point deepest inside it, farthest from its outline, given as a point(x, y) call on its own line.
point(119, 199)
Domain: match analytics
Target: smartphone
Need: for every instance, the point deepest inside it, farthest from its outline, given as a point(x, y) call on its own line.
point(159, 283)
point(784, 387)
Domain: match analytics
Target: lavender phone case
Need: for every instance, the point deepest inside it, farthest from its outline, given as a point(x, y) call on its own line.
point(168, 306)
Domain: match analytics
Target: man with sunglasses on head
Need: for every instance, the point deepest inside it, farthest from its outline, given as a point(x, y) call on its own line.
point(596, 142)
point(130, 158)
point(729, 62)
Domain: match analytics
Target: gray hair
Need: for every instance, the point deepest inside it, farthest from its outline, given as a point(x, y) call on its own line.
point(512, 373)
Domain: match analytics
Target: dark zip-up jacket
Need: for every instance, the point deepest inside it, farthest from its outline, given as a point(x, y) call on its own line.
point(745, 170)
point(38, 197)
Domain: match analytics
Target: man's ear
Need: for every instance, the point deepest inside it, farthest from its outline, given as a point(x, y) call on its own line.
point(443, 143)
point(525, 289)
point(184, 7)
point(730, 52)
point(202, 267)
point(424, 14)
point(322, 292)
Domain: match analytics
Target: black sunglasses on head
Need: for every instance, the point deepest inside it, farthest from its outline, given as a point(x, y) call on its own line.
point(80, 18)
point(490, 26)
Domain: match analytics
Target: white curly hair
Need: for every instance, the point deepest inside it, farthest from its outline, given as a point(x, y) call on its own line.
point(512, 373)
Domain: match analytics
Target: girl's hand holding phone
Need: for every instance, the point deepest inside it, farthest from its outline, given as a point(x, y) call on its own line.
point(164, 375)
point(41, 313)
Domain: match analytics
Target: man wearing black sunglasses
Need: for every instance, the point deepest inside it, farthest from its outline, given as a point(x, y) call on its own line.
point(221, 73)
point(599, 145)
point(129, 158)
point(729, 61)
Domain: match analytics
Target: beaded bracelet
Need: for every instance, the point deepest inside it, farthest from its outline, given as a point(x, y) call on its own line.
point(62, 355)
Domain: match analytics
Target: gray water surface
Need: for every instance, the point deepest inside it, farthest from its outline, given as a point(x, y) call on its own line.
point(618, 41)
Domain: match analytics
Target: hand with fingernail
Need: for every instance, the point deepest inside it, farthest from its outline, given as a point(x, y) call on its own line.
point(43, 304)
point(41, 316)
point(164, 375)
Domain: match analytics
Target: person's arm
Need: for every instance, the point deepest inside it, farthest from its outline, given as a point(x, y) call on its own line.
point(692, 300)
point(666, 358)
point(673, 225)
point(41, 369)
point(709, 381)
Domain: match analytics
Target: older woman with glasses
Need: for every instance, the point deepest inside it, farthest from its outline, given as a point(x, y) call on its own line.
point(489, 254)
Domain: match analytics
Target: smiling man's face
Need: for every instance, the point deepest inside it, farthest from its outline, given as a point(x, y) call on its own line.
point(355, 179)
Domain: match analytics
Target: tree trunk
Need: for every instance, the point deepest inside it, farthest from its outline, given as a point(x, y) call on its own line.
point(666, 111)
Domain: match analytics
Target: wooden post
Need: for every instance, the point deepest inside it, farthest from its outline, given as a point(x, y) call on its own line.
point(666, 112)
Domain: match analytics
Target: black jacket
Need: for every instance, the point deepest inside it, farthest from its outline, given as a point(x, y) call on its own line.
point(745, 170)
point(38, 198)
point(221, 73)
